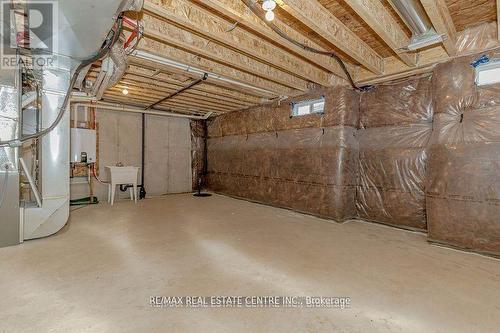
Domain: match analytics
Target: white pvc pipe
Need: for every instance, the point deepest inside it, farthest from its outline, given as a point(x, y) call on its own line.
point(190, 69)
point(120, 107)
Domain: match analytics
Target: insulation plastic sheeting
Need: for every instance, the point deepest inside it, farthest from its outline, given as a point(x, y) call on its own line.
point(306, 163)
point(463, 193)
point(404, 103)
point(392, 175)
point(310, 170)
point(198, 152)
point(396, 122)
point(341, 108)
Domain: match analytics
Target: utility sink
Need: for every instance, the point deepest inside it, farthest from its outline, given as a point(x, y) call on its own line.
point(126, 175)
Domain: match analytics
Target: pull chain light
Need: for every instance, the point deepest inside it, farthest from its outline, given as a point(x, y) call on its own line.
point(269, 6)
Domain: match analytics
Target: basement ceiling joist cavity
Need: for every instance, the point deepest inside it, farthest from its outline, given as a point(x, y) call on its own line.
point(249, 64)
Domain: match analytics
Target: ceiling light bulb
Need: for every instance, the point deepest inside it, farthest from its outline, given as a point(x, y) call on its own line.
point(270, 15)
point(125, 91)
point(269, 5)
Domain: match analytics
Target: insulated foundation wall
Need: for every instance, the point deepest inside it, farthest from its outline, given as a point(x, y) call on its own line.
point(396, 125)
point(308, 163)
point(463, 194)
point(198, 153)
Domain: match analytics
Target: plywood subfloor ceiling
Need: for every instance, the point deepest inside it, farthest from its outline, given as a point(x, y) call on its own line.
point(250, 64)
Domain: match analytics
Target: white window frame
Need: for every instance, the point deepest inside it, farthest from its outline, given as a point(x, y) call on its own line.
point(308, 103)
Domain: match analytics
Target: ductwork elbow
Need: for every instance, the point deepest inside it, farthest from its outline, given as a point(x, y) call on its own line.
point(120, 63)
point(131, 5)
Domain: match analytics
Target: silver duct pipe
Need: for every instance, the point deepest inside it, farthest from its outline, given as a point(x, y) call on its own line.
point(120, 64)
point(413, 14)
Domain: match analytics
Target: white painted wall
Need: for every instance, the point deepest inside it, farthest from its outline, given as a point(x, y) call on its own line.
point(168, 152)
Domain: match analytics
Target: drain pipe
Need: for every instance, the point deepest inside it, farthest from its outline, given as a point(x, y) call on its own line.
point(180, 91)
point(190, 69)
point(142, 192)
point(122, 108)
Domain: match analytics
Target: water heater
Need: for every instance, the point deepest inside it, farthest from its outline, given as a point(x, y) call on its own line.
point(83, 145)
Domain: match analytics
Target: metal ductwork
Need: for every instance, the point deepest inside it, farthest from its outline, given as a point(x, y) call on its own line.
point(116, 64)
point(131, 5)
point(120, 63)
point(413, 14)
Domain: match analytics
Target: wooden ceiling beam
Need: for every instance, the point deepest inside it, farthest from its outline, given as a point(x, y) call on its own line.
point(155, 97)
point(167, 33)
point(191, 94)
point(142, 104)
point(396, 69)
point(150, 99)
point(189, 59)
point(239, 12)
point(192, 17)
point(113, 98)
point(162, 77)
point(320, 20)
point(385, 26)
point(181, 98)
point(439, 14)
point(166, 88)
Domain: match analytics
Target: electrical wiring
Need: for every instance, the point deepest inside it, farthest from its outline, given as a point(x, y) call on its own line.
point(256, 10)
point(136, 34)
point(102, 53)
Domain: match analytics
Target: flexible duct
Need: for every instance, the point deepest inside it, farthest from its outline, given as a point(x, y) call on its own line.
point(131, 5)
point(120, 63)
point(413, 14)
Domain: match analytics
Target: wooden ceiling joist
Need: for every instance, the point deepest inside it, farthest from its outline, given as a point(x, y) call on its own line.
point(180, 98)
point(191, 94)
point(167, 33)
point(321, 21)
point(165, 89)
point(249, 63)
point(438, 13)
point(194, 18)
point(186, 58)
point(177, 99)
point(151, 99)
point(142, 105)
point(239, 12)
point(161, 77)
point(385, 26)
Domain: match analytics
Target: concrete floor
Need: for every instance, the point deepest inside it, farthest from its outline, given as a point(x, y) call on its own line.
point(98, 273)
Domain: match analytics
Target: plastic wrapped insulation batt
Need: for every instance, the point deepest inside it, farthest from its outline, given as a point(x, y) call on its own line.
point(463, 192)
point(306, 163)
point(396, 122)
point(198, 152)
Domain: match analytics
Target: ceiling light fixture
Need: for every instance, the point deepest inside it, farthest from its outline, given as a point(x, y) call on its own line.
point(125, 91)
point(270, 15)
point(269, 6)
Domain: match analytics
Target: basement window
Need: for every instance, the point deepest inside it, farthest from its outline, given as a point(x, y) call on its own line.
point(303, 108)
